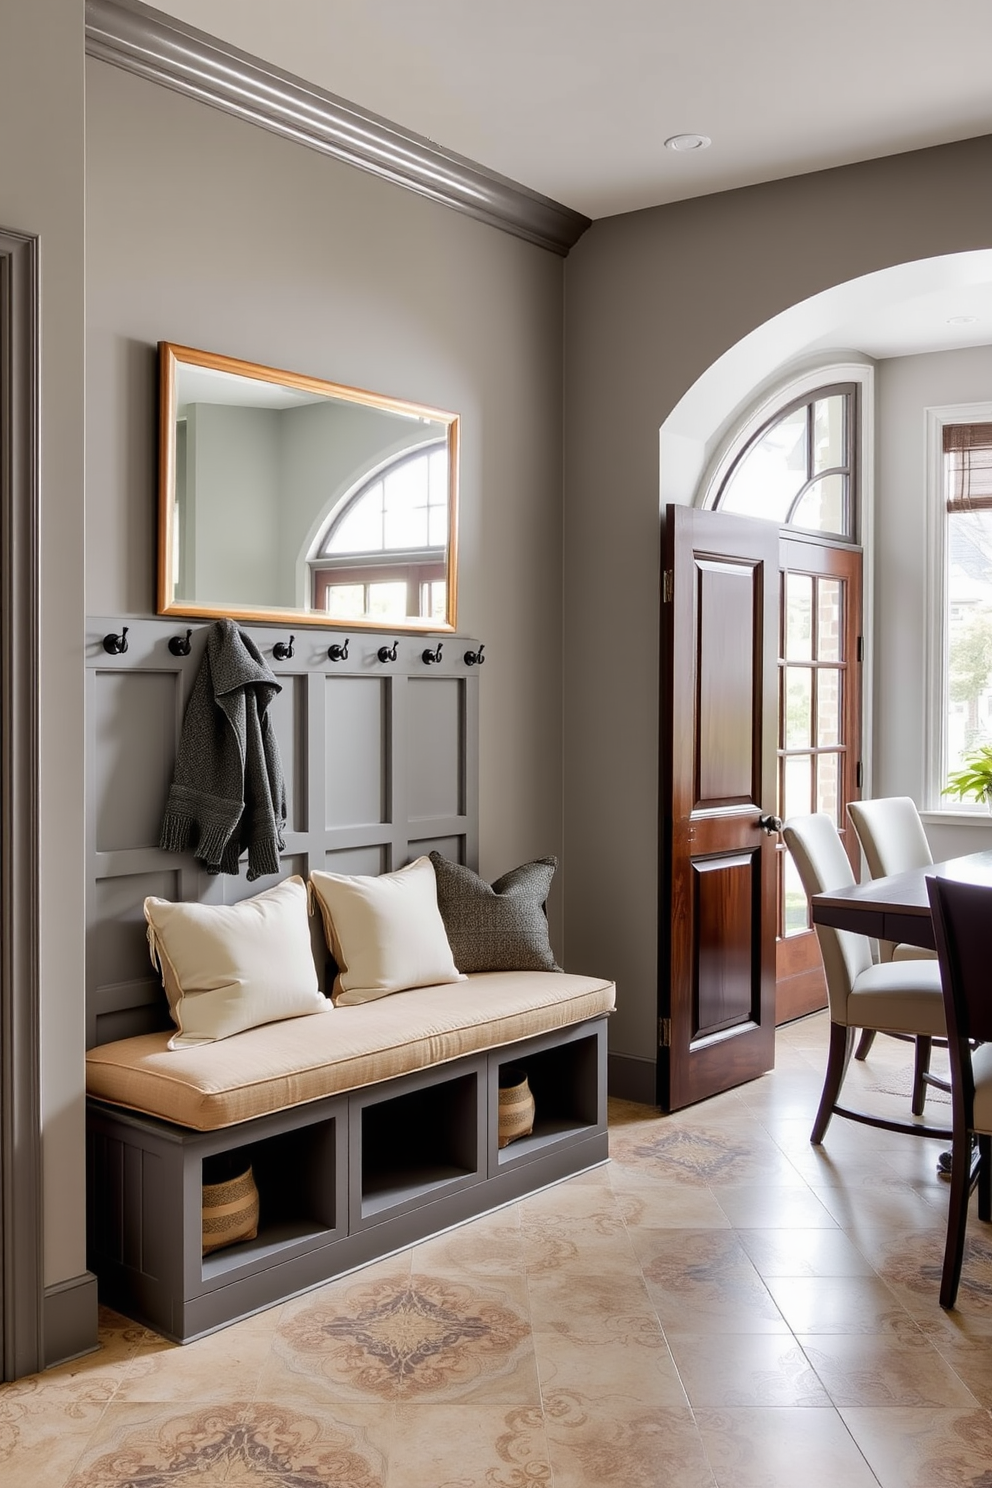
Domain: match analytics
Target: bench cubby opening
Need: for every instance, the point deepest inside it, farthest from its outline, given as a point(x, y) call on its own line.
point(416, 1143)
point(295, 1174)
point(566, 1073)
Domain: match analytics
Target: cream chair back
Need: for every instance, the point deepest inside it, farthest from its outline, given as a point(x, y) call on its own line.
point(891, 835)
point(822, 865)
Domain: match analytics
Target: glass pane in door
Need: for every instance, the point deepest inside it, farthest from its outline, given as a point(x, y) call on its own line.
point(798, 617)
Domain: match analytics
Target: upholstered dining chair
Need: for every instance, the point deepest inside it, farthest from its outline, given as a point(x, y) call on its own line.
point(892, 996)
point(893, 841)
point(961, 914)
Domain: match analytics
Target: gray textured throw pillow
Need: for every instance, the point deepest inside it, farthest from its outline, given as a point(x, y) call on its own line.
point(500, 926)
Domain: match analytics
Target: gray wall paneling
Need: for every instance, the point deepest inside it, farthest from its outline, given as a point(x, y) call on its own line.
point(381, 763)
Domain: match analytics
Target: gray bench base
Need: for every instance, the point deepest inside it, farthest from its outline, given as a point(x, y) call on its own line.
point(342, 1181)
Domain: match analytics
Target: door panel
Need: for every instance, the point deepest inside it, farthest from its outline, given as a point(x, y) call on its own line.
point(719, 732)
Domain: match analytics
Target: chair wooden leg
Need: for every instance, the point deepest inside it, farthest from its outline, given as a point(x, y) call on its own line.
point(838, 1058)
point(957, 1216)
point(864, 1043)
point(985, 1177)
point(921, 1068)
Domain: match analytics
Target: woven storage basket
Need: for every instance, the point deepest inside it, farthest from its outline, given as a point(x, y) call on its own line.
point(516, 1105)
point(230, 1211)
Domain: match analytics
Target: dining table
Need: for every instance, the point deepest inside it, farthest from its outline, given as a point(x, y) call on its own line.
point(897, 908)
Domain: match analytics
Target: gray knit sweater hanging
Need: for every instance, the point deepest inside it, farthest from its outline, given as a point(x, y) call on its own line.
point(228, 792)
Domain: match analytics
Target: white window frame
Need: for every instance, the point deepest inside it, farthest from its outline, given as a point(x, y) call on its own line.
point(935, 609)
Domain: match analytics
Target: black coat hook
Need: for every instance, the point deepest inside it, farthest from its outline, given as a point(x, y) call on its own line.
point(430, 657)
point(338, 652)
point(283, 650)
point(116, 645)
point(475, 658)
point(181, 645)
point(387, 653)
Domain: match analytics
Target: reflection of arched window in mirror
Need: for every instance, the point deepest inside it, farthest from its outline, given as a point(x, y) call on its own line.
point(797, 468)
point(383, 551)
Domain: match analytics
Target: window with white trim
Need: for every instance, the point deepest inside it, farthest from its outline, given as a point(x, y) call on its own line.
point(965, 593)
point(797, 469)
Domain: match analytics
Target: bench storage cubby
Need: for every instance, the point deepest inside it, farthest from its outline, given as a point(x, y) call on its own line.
point(342, 1180)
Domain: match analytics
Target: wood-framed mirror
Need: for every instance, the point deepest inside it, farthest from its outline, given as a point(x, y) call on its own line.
point(286, 498)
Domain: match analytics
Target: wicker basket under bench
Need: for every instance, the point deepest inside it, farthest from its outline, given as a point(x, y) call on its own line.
point(347, 1177)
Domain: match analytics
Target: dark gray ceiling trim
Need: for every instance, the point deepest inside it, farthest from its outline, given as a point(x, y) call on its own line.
point(159, 47)
point(21, 1281)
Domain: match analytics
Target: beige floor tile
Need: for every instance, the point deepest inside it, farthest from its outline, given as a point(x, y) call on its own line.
point(703, 1281)
point(582, 1245)
point(40, 1450)
point(240, 1444)
point(924, 1447)
point(468, 1446)
point(781, 1448)
point(636, 1449)
point(602, 1306)
point(740, 1370)
point(674, 1206)
point(969, 1357)
point(799, 1252)
point(638, 1371)
point(884, 1369)
point(754, 1207)
point(880, 1208)
point(224, 1366)
point(818, 1304)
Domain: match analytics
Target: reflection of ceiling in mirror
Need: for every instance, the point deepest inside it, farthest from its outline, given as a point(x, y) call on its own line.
point(204, 385)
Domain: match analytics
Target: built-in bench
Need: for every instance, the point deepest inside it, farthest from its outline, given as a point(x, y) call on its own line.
point(367, 1128)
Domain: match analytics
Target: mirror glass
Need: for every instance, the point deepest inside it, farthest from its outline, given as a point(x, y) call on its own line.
point(282, 497)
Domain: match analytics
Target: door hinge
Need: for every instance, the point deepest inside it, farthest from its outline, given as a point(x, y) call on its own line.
point(860, 649)
point(667, 586)
point(664, 1033)
point(858, 775)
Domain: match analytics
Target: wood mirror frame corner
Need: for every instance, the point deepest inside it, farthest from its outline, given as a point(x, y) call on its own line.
point(269, 479)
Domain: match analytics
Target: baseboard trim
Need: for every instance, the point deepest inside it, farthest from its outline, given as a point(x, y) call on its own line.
point(70, 1319)
point(629, 1077)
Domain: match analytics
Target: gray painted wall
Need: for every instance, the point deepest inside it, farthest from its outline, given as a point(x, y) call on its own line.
point(652, 298)
point(41, 192)
point(210, 232)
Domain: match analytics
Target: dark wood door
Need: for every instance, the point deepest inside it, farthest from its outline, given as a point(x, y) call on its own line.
point(719, 716)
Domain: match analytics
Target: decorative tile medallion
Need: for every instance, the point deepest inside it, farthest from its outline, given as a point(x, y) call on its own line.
point(402, 1339)
point(227, 1445)
point(692, 1154)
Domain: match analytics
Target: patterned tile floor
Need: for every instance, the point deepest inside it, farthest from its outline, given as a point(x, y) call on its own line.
point(721, 1306)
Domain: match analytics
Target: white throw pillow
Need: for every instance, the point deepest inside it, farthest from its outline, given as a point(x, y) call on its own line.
point(385, 931)
point(228, 967)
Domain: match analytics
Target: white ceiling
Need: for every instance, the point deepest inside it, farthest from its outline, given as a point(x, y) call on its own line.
point(575, 98)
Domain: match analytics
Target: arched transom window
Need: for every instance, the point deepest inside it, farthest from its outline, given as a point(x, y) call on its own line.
point(384, 550)
point(798, 468)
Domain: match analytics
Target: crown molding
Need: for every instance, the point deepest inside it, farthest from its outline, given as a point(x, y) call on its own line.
point(152, 45)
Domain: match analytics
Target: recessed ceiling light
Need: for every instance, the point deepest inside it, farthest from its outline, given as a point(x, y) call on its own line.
point(962, 319)
point(688, 142)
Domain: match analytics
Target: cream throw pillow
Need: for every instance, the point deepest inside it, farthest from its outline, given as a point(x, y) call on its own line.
point(385, 931)
point(228, 967)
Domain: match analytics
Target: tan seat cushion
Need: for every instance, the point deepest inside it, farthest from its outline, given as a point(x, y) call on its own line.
point(302, 1059)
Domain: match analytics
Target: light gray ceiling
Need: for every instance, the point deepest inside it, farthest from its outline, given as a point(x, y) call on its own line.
point(574, 98)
